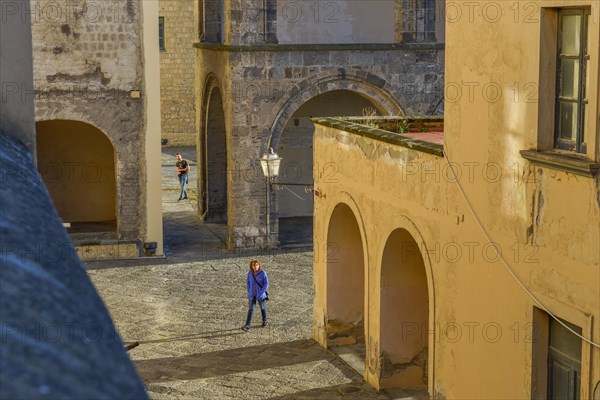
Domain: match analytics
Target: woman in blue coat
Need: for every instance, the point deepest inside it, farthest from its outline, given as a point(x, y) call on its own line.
point(257, 284)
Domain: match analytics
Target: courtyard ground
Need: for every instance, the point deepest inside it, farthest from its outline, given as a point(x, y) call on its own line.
point(186, 311)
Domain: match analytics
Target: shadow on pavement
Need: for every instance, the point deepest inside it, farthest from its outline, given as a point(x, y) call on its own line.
point(346, 391)
point(296, 232)
point(203, 335)
point(232, 361)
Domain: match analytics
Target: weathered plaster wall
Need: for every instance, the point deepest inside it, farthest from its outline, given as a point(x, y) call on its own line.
point(371, 177)
point(177, 74)
point(482, 318)
point(552, 217)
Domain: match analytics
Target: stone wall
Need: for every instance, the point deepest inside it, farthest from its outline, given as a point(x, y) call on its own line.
point(263, 86)
point(88, 67)
point(177, 74)
point(269, 58)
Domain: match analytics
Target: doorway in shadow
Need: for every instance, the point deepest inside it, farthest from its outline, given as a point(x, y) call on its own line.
point(77, 164)
point(295, 147)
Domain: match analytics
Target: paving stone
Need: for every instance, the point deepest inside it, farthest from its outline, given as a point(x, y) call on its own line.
point(186, 311)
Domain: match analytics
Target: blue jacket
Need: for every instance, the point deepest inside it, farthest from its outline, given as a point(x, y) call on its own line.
point(255, 290)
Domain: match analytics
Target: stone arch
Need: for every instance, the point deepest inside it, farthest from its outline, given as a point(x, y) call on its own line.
point(364, 83)
point(212, 155)
point(349, 93)
point(126, 133)
point(406, 309)
point(77, 163)
point(346, 282)
point(345, 277)
point(295, 148)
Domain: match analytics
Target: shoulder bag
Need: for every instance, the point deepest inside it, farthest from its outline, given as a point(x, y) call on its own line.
point(259, 285)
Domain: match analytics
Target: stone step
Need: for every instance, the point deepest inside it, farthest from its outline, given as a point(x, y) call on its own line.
point(354, 357)
point(406, 394)
point(107, 250)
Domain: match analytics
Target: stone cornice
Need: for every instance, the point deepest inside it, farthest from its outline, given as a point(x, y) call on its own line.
point(381, 135)
point(321, 47)
point(563, 162)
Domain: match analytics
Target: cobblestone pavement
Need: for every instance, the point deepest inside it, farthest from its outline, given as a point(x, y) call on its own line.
point(186, 311)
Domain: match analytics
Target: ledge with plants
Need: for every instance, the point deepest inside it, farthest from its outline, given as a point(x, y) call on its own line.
point(422, 133)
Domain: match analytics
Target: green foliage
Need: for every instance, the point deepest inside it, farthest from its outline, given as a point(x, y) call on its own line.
point(402, 127)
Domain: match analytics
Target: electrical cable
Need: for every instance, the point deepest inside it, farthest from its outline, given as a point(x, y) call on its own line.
point(539, 303)
point(291, 191)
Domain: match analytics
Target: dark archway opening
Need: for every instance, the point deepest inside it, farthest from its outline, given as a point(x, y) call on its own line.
point(346, 288)
point(214, 162)
point(404, 314)
point(295, 204)
point(77, 163)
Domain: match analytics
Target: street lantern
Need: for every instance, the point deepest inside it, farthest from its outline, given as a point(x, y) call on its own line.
point(270, 165)
point(270, 162)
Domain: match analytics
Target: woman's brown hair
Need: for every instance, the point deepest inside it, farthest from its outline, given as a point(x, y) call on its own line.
point(253, 261)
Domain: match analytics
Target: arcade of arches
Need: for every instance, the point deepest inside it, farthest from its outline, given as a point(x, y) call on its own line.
point(399, 358)
point(374, 286)
point(412, 292)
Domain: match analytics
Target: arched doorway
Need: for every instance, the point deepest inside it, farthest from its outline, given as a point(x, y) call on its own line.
point(213, 143)
point(404, 314)
point(346, 288)
point(294, 146)
point(77, 163)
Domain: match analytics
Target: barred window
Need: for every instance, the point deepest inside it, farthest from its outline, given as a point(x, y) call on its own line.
point(161, 33)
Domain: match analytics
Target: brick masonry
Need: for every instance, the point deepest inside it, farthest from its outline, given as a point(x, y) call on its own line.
point(177, 74)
